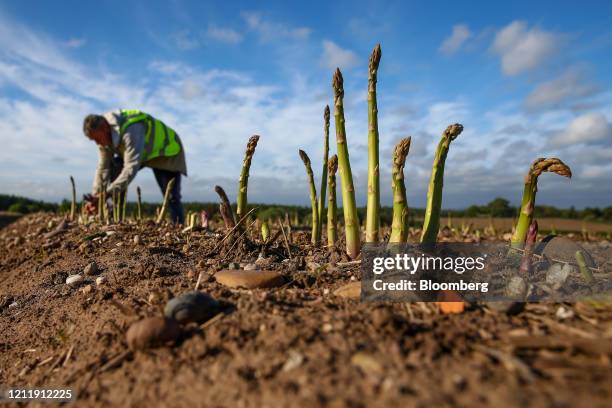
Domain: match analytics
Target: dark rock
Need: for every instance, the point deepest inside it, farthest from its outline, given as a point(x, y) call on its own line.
point(192, 307)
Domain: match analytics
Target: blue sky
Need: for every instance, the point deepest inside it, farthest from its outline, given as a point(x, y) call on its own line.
point(526, 80)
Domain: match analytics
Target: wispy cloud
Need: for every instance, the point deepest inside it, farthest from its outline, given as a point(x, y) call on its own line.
point(460, 34)
point(224, 35)
point(269, 30)
point(185, 40)
point(335, 56)
point(570, 87)
point(587, 128)
point(522, 48)
point(75, 42)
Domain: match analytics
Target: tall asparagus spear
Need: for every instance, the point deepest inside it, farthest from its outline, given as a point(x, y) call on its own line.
point(431, 224)
point(125, 193)
point(332, 208)
point(115, 206)
point(244, 177)
point(373, 210)
point(164, 209)
point(399, 227)
point(73, 203)
point(324, 172)
point(313, 198)
point(351, 219)
point(139, 203)
point(539, 166)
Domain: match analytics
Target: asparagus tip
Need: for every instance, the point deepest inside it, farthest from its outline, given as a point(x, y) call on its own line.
point(375, 58)
point(304, 157)
point(332, 165)
point(338, 83)
point(402, 149)
point(326, 114)
point(454, 130)
point(553, 165)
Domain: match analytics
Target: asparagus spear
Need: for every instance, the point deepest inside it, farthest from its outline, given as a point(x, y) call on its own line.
point(139, 203)
point(124, 209)
point(351, 219)
point(539, 166)
point(226, 209)
point(532, 235)
point(431, 224)
point(373, 210)
point(244, 176)
point(265, 231)
point(313, 198)
point(399, 226)
point(164, 208)
point(73, 203)
point(332, 208)
point(324, 172)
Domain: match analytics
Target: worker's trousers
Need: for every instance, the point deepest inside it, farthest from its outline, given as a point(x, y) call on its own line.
point(163, 177)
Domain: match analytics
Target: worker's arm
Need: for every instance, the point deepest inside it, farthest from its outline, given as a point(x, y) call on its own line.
point(102, 176)
point(133, 140)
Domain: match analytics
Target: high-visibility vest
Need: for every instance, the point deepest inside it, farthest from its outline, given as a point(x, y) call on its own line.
point(160, 140)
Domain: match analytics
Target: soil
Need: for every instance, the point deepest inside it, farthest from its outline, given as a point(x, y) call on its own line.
point(296, 345)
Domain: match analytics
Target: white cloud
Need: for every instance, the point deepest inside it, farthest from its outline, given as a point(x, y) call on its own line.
point(460, 34)
point(271, 30)
point(588, 128)
point(522, 48)
point(75, 42)
point(224, 35)
point(570, 86)
point(185, 40)
point(335, 56)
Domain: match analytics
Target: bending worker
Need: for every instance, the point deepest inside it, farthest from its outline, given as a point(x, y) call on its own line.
point(129, 140)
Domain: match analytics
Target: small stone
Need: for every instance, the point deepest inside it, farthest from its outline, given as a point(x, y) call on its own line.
point(557, 274)
point(564, 313)
point(74, 279)
point(100, 280)
point(563, 249)
point(349, 291)
point(233, 265)
point(91, 269)
point(251, 267)
point(516, 288)
point(137, 240)
point(152, 332)
point(327, 327)
point(110, 233)
point(249, 279)
point(87, 289)
point(201, 264)
point(192, 307)
point(13, 305)
point(153, 298)
point(190, 274)
point(294, 361)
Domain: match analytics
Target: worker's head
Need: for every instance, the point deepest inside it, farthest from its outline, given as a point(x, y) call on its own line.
point(97, 129)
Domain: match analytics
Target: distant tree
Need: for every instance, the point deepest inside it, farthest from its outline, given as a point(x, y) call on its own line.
point(500, 207)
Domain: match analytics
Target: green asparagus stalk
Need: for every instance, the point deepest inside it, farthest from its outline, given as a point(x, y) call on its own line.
point(351, 219)
point(164, 208)
point(539, 166)
point(73, 203)
point(105, 215)
point(324, 172)
point(265, 231)
point(532, 235)
point(332, 208)
point(139, 203)
point(399, 226)
point(313, 198)
point(373, 210)
point(115, 206)
point(431, 223)
point(584, 270)
point(244, 177)
point(124, 209)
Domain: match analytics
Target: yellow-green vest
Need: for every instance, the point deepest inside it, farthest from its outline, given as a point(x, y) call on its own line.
point(160, 140)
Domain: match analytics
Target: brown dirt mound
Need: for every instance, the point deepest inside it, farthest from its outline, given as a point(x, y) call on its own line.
point(298, 344)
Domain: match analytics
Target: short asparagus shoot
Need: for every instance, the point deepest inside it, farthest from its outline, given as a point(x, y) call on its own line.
point(399, 225)
point(164, 208)
point(73, 203)
point(244, 176)
point(538, 167)
point(322, 191)
point(313, 198)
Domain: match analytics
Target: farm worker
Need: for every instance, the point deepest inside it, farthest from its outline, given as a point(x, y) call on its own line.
point(129, 140)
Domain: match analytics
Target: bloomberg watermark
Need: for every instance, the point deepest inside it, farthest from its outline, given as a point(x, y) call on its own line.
point(474, 271)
